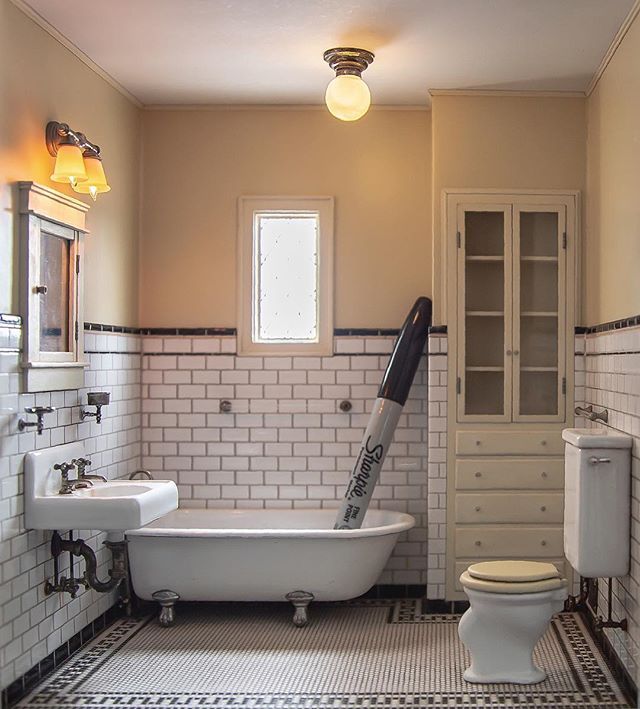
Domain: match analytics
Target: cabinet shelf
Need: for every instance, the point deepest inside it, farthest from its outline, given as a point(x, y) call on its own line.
point(484, 369)
point(489, 259)
point(485, 313)
point(539, 313)
point(540, 259)
point(538, 369)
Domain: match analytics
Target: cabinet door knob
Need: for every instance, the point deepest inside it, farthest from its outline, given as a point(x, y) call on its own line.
point(478, 543)
point(509, 353)
point(478, 474)
point(543, 508)
point(543, 543)
point(544, 473)
point(477, 508)
point(516, 353)
point(543, 443)
point(477, 443)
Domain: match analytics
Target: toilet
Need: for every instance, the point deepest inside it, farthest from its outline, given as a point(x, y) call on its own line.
point(511, 605)
point(512, 601)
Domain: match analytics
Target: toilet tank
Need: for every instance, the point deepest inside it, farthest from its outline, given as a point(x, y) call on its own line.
point(597, 501)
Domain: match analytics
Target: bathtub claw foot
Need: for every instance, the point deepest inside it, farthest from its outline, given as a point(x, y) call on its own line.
point(300, 601)
point(167, 600)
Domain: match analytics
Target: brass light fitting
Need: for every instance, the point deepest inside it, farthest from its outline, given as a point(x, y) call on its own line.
point(78, 160)
point(348, 97)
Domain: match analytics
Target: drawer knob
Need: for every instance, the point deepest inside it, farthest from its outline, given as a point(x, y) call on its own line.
point(477, 508)
point(478, 543)
point(543, 543)
point(543, 508)
point(543, 443)
point(478, 474)
point(544, 473)
point(477, 443)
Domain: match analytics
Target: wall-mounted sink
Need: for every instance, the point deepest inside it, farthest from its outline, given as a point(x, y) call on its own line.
point(116, 505)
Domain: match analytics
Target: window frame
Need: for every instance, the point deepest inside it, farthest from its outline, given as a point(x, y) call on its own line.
point(248, 207)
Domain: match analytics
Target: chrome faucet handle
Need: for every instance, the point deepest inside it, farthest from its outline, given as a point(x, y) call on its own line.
point(81, 464)
point(64, 468)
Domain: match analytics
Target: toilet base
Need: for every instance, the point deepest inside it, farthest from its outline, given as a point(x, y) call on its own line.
point(532, 677)
point(500, 631)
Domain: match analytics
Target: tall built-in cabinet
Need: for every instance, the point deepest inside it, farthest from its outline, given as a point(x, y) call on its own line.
point(510, 273)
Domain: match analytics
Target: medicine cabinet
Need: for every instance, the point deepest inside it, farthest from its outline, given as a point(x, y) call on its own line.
point(52, 227)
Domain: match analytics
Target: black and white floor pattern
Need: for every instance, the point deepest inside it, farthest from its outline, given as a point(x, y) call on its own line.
point(371, 654)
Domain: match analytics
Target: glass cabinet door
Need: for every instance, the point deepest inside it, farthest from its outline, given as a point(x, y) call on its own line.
point(538, 312)
point(484, 311)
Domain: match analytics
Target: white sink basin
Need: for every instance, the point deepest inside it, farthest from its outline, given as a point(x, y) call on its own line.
point(116, 505)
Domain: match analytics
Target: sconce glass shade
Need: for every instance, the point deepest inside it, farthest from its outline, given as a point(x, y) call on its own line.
point(348, 97)
point(96, 179)
point(69, 165)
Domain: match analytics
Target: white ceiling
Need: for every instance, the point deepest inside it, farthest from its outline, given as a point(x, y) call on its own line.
point(270, 51)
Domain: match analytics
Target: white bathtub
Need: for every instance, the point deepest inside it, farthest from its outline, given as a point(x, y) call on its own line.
point(261, 555)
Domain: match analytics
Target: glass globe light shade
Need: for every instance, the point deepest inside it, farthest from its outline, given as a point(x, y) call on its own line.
point(69, 165)
point(348, 97)
point(96, 179)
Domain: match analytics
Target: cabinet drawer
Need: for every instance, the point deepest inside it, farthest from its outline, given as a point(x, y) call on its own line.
point(523, 508)
point(509, 542)
point(462, 566)
point(510, 473)
point(509, 442)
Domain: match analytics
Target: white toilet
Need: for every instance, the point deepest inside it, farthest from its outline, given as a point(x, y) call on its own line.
point(511, 602)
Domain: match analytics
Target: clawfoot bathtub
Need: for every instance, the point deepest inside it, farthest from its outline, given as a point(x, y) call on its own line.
point(260, 555)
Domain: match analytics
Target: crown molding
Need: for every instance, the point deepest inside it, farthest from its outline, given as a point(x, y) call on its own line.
point(613, 47)
point(76, 51)
point(223, 107)
point(507, 93)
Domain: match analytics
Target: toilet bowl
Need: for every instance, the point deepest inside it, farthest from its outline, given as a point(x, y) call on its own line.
point(511, 604)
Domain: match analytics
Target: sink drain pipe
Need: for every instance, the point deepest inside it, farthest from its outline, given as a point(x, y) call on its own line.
point(78, 547)
point(387, 408)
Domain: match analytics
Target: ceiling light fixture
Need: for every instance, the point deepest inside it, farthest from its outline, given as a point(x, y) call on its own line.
point(348, 97)
point(78, 160)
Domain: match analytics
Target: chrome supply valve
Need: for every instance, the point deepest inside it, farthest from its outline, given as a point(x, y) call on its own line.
point(39, 411)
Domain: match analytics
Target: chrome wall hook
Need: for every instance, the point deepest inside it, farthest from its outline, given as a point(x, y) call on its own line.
point(39, 411)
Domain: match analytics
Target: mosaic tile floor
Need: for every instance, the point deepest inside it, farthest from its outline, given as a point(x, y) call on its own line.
point(376, 654)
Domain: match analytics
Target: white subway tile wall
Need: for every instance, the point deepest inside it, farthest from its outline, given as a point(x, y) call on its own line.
point(612, 381)
point(437, 467)
point(33, 625)
point(285, 442)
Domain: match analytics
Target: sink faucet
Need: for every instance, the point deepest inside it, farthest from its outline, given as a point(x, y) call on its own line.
point(143, 472)
point(81, 464)
point(68, 486)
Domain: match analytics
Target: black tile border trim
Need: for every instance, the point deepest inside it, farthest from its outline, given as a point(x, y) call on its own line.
point(616, 666)
point(21, 686)
point(633, 321)
point(437, 329)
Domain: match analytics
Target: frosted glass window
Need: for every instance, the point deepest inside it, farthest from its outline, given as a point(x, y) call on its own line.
point(285, 277)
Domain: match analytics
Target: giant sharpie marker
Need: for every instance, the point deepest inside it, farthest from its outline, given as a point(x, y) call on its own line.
point(392, 396)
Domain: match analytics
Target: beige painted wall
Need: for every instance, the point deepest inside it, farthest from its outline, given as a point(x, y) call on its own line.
point(39, 81)
point(504, 142)
point(197, 163)
point(612, 244)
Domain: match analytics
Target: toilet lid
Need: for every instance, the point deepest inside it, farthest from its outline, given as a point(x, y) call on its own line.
point(513, 571)
point(510, 587)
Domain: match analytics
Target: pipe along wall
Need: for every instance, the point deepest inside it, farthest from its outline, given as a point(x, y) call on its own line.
point(392, 397)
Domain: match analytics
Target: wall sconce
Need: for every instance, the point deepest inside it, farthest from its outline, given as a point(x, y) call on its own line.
point(97, 399)
point(348, 97)
point(78, 161)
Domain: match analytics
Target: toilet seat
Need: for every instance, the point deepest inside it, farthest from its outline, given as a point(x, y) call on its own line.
point(512, 577)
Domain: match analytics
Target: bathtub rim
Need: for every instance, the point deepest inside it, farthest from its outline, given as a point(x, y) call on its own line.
point(402, 523)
